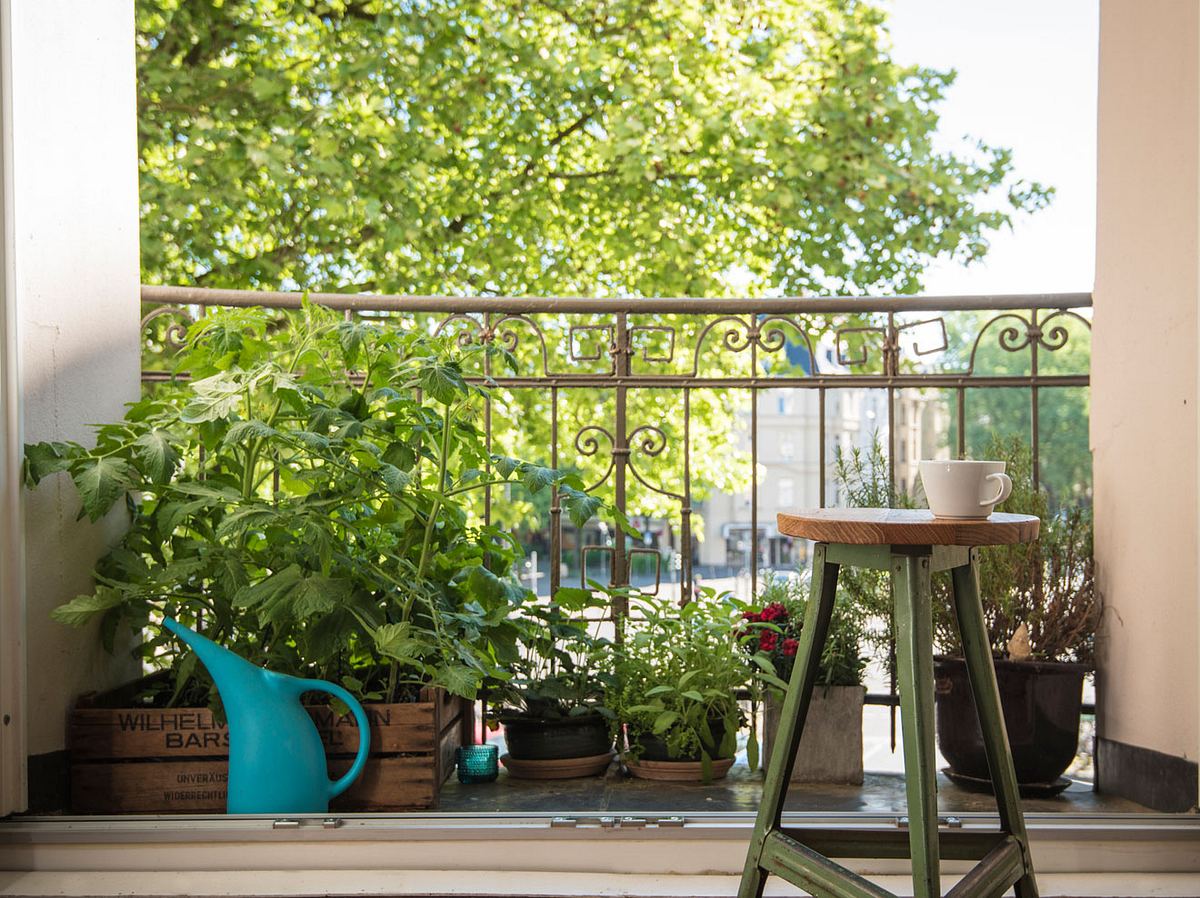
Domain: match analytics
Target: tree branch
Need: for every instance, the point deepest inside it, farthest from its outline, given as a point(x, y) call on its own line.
point(580, 175)
point(563, 134)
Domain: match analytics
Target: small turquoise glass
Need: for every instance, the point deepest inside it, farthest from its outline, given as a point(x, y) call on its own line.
point(477, 763)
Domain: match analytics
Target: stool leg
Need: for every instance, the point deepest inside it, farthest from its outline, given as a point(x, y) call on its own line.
point(791, 718)
point(914, 664)
point(982, 675)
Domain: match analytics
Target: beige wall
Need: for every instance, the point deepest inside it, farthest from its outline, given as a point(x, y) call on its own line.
point(1144, 373)
point(74, 219)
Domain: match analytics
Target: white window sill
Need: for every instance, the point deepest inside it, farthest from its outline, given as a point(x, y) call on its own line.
point(525, 855)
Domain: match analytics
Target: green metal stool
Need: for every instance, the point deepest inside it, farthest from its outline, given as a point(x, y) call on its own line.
point(911, 545)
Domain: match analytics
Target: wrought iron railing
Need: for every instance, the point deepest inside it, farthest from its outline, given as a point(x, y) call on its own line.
point(683, 346)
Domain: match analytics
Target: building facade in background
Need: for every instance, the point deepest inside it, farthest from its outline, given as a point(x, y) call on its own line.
point(789, 468)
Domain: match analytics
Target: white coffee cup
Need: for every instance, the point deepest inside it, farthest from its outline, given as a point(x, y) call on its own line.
point(964, 489)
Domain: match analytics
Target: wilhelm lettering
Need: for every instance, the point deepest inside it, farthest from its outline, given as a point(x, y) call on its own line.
point(167, 721)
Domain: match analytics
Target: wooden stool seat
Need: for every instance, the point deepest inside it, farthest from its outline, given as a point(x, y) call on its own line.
point(910, 545)
point(906, 527)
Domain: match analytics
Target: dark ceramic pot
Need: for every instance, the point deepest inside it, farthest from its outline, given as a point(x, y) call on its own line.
point(1041, 702)
point(556, 738)
point(652, 748)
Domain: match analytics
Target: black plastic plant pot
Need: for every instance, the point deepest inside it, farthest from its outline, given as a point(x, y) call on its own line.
point(652, 748)
point(1041, 702)
point(555, 738)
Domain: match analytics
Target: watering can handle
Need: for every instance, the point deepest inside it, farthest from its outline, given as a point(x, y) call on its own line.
point(364, 732)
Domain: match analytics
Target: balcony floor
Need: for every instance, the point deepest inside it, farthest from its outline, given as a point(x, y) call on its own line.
point(615, 793)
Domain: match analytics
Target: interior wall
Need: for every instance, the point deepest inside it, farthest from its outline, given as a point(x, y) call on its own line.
point(1144, 382)
point(74, 216)
point(12, 547)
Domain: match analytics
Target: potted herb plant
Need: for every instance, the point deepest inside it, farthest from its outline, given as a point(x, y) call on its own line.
point(675, 683)
point(831, 747)
point(556, 725)
point(306, 500)
point(1042, 612)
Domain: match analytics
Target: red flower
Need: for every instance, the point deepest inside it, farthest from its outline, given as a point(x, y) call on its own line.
point(767, 641)
point(789, 647)
point(773, 612)
point(751, 616)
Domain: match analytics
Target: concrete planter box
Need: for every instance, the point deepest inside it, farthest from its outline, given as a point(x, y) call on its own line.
point(831, 749)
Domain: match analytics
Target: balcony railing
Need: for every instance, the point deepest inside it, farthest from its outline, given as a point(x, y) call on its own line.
point(618, 349)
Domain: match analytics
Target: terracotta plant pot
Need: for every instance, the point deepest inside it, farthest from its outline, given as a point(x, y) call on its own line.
point(558, 768)
point(678, 771)
point(654, 761)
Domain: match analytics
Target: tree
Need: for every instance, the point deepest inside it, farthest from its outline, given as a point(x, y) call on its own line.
point(547, 147)
point(626, 147)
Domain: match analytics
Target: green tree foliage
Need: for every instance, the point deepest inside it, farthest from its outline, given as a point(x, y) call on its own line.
point(618, 147)
point(483, 146)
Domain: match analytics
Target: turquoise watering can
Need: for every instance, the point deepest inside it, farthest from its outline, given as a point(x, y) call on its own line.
point(276, 758)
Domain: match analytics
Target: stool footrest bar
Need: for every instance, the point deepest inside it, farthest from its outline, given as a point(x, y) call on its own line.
point(817, 875)
point(1001, 868)
point(892, 843)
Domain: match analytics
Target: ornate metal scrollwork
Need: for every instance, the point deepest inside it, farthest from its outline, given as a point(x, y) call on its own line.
point(606, 329)
point(740, 334)
point(1058, 336)
point(1013, 338)
point(467, 335)
point(649, 329)
point(653, 442)
point(842, 358)
point(588, 446)
point(484, 332)
point(1023, 332)
point(773, 339)
point(916, 345)
point(176, 333)
point(890, 345)
point(508, 338)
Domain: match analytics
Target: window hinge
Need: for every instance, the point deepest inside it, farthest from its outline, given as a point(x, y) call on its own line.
point(285, 824)
point(951, 822)
point(608, 822)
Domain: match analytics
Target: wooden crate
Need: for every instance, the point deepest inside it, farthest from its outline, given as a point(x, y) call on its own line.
point(175, 760)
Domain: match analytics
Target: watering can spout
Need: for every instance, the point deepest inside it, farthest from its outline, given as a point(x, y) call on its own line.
point(238, 681)
point(276, 758)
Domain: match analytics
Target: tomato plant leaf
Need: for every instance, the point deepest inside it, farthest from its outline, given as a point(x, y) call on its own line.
point(101, 482)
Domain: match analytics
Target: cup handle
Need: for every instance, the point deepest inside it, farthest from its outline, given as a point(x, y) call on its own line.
point(1005, 490)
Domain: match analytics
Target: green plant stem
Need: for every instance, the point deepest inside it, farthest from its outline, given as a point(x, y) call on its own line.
point(393, 677)
point(475, 485)
point(440, 495)
point(255, 448)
